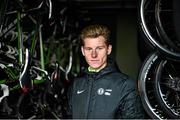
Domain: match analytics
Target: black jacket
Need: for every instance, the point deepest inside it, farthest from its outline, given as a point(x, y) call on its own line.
point(106, 94)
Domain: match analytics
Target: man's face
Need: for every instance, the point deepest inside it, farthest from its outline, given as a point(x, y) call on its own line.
point(96, 51)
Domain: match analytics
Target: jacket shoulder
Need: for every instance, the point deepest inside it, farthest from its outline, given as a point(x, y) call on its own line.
point(124, 79)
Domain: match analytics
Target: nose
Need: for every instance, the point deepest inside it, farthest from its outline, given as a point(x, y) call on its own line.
point(94, 54)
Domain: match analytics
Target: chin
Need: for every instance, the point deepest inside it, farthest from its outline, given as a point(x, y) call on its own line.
point(95, 66)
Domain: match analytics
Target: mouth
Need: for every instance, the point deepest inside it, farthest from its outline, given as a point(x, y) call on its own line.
point(94, 60)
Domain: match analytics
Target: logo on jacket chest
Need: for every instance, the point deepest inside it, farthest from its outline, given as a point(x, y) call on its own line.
point(102, 91)
point(80, 91)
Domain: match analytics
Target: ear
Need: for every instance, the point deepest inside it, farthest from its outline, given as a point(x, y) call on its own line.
point(82, 50)
point(109, 49)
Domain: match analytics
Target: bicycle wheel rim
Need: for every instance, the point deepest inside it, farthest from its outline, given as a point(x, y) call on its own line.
point(151, 39)
point(162, 10)
point(165, 88)
point(145, 84)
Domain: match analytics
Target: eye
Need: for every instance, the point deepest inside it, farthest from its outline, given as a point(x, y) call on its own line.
point(88, 49)
point(99, 48)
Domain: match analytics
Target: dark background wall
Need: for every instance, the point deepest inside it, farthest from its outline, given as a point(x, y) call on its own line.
point(126, 45)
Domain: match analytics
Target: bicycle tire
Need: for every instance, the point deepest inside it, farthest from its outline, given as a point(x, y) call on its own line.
point(145, 84)
point(154, 39)
point(166, 91)
point(172, 42)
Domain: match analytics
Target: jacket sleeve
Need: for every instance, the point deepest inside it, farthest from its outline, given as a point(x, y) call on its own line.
point(130, 106)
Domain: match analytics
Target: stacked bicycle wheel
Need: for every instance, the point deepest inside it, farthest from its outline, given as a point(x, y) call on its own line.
point(159, 77)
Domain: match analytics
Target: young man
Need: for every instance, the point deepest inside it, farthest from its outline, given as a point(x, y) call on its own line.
point(102, 91)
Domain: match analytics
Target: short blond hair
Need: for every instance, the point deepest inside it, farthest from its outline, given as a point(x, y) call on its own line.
point(94, 31)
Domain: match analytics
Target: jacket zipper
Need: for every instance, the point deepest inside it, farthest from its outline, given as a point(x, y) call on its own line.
point(91, 81)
